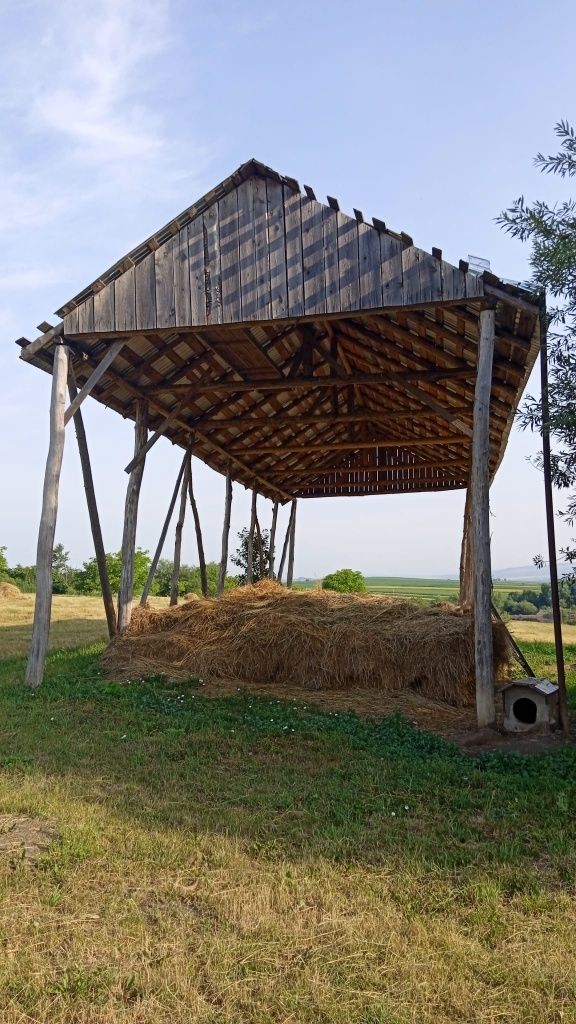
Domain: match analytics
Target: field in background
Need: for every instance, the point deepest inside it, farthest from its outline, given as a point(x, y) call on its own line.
point(423, 589)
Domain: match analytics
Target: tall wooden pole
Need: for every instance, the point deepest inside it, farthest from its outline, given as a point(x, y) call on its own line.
point(466, 563)
point(126, 588)
point(250, 546)
point(175, 581)
point(290, 573)
point(107, 597)
point(225, 535)
point(480, 483)
point(163, 533)
point(554, 592)
point(272, 545)
point(43, 605)
point(285, 545)
point(199, 540)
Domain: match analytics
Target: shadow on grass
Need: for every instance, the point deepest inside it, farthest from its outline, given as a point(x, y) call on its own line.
point(15, 639)
point(286, 779)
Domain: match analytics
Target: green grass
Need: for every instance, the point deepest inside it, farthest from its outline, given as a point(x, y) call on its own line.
point(252, 861)
point(424, 589)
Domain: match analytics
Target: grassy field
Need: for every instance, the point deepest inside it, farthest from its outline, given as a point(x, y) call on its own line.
point(248, 861)
point(423, 589)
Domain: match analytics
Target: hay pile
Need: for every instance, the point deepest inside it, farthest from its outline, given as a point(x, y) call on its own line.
point(313, 639)
point(8, 592)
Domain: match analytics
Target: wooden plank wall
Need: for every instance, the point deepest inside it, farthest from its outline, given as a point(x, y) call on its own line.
point(265, 252)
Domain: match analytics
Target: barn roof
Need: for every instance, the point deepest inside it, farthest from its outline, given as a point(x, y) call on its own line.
point(312, 353)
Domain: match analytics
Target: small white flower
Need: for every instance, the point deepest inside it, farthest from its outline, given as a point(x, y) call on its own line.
point(393, 815)
point(123, 737)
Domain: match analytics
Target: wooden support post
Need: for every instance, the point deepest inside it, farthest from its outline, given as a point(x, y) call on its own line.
point(126, 588)
point(546, 466)
point(99, 550)
point(43, 605)
point(175, 581)
point(250, 546)
point(285, 545)
point(199, 540)
point(466, 563)
point(93, 379)
point(225, 535)
point(160, 545)
point(290, 573)
point(480, 483)
point(261, 559)
point(272, 541)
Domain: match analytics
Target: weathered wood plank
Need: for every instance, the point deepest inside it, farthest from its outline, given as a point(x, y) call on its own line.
point(93, 379)
point(104, 318)
point(391, 269)
point(294, 267)
point(198, 530)
point(212, 269)
point(71, 322)
point(263, 290)
point(292, 544)
point(175, 578)
point(225, 535)
point(474, 286)
point(313, 256)
point(247, 249)
point(196, 265)
point(165, 296)
point(30, 350)
point(181, 279)
point(125, 301)
point(412, 293)
point(230, 258)
point(163, 534)
point(126, 588)
point(480, 486)
point(369, 263)
point(430, 278)
point(145, 282)
point(348, 262)
point(250, 546)
point(331, 272)
point(272, 541)
point(453, 282)
point(86, 316)
point(43, 603)
point(277, 250)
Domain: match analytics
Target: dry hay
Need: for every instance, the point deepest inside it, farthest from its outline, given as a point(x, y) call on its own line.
point(8, 592)
point(266, 634)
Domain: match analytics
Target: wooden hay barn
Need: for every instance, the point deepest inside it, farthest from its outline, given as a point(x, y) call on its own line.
point(301, 351)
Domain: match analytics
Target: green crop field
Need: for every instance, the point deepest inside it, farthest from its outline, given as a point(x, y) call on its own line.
point(424, 589)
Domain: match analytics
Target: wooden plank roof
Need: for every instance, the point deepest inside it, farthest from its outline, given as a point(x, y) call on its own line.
point(314, 353)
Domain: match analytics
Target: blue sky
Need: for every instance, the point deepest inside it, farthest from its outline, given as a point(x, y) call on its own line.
point(117, 115)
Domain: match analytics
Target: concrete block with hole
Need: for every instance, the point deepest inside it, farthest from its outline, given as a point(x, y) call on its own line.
point(530, 705)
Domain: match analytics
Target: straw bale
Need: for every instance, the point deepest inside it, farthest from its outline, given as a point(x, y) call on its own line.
point(312, 639)
point(8, 592)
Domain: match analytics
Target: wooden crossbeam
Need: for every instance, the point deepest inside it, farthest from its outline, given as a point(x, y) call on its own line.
point(29, 350)
point(93, 379)
point(278, 419)
point(232, 386)
point(298, 478)
point(341, 446)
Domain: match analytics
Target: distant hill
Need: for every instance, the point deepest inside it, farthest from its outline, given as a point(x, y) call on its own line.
point(523, 573)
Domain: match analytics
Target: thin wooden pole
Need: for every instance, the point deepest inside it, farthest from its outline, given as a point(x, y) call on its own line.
point(272, 545)
point(480, 482)
point(160, 545)
point(260, 550)
point(285, 545)
point(466, 565)
point(554, 592)
point(225, 535)
point(126, 588)
point(175, 580)
point(290, 573)
point(107, 596)
point(250, 546)
point(199, 540)
point(43, 604)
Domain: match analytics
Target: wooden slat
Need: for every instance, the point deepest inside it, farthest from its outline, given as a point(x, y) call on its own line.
point(165, 299)
point(196, 266)
point(313, 257)
point(263, 290)
point(125, 301)
point(247, 251)
point(93, 379)
point(277, 250)
point(331, 272)
point(348, 262)
point(71, 322)
point(104, 319)
point(369, 263)
point(430, 278)
point(294, 268)
point(145, 281)
point(391, 270)
point(230, 258)
point(86, 316)
point(181, 279)
point(349, 445)
point(212, 269)
point(453, 282)
point(411, 275)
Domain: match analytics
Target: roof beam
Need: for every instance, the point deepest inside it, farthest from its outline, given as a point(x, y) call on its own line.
point(340, 446)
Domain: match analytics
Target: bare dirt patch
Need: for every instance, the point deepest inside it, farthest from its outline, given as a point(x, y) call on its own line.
point(25, 838)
